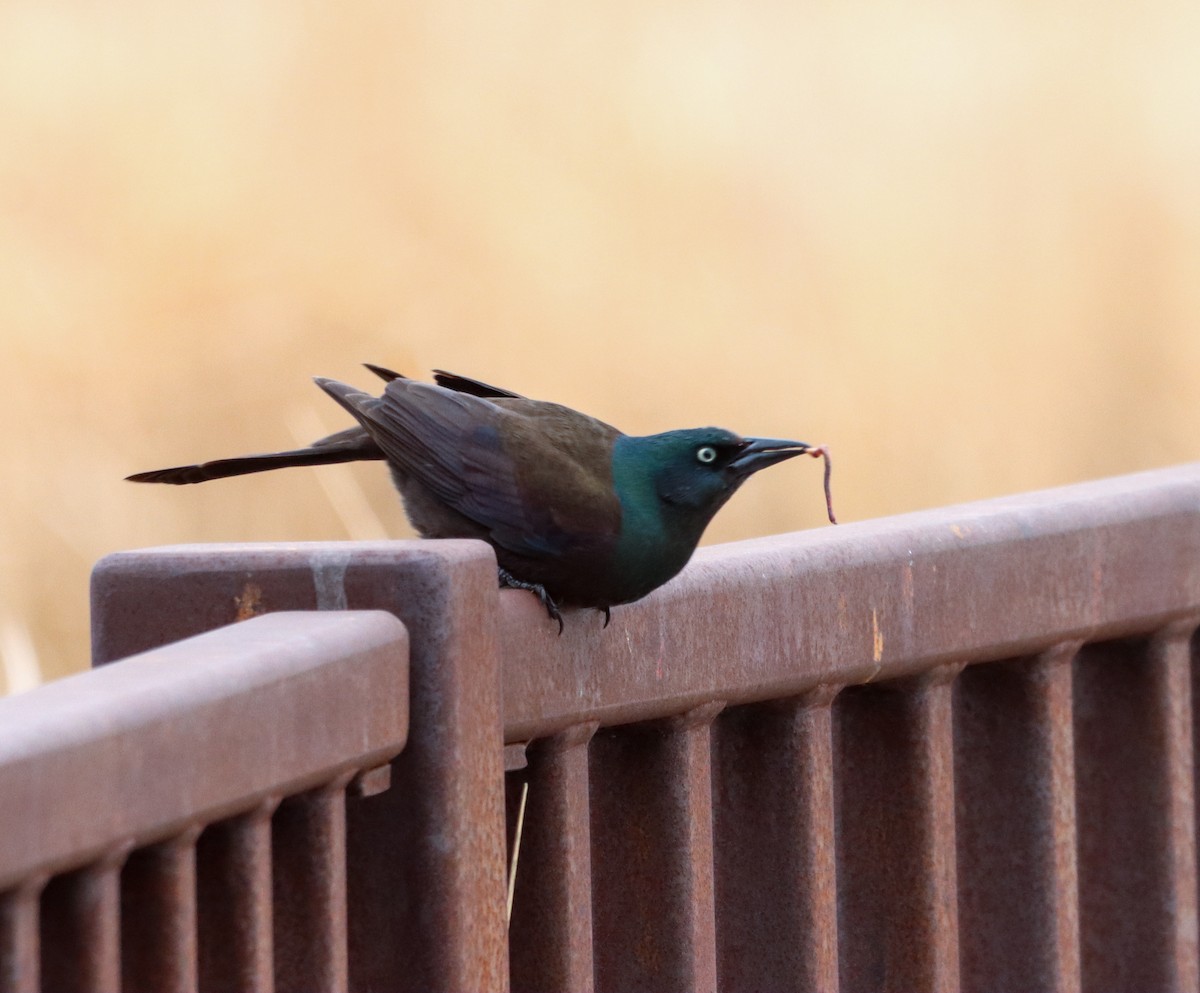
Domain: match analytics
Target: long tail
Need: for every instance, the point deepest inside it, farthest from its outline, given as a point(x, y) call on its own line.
point(351, 445)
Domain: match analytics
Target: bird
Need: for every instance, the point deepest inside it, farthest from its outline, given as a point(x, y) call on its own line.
point(577, 512)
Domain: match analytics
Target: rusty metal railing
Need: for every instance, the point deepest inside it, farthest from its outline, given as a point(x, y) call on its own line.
point(951, 750)
point(177, 821)
point(826, 787)
point(425, 860)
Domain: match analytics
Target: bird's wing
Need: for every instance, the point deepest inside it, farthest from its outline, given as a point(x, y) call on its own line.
point(384, 373)
point(475, 387)
point(451, 381)
point(536, 475)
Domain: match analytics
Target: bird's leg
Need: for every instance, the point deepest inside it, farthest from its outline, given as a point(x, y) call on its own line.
point(607, 615)
point(508, 580)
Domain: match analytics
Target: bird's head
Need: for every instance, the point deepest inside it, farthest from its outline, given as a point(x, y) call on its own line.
point(670, 485)
point(698, 469)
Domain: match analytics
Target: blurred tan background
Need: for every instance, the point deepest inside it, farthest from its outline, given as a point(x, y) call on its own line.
point(958, 242)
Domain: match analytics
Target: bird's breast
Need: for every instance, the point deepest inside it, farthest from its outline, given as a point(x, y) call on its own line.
point(649, 551)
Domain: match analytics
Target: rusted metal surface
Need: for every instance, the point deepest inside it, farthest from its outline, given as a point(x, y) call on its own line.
point(20, 941)
point(774, 786)
point(245, 698)
point(233, 903)
point(774, 617)
point(652, 855)
point(897, 880)
point(158, 916)
point(884, 818)
point(1015, 826)
point(1137, 867)
point(370, 782)
point(138, 800)
point(551, 927)
point(425, 860)
point(80, 929)
point(309, 874)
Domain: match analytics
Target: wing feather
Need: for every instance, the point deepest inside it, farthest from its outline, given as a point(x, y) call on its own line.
point(536, 475)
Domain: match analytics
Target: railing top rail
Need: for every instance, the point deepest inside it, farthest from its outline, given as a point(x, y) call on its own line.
point(780, 616)
point(195, 731)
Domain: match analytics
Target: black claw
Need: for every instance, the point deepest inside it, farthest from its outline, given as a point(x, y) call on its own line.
point(552, 610)
point(508, 580)
point(607, 615)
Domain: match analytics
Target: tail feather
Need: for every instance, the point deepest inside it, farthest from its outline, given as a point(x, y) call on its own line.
point(354, 444)
point(351, 445)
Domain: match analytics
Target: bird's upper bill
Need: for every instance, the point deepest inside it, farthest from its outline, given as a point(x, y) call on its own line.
point(758, 453)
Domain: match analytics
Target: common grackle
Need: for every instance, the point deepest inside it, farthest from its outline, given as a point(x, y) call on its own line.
point(577, 512)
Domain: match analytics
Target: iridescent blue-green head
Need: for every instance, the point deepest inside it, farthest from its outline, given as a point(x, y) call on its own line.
point(672, 484)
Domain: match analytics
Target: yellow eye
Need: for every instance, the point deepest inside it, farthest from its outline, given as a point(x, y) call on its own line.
point(706, 454)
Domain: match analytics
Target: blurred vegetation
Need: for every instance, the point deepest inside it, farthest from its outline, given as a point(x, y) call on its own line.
point(960, 243)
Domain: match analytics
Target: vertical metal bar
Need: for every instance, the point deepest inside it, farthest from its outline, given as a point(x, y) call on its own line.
point(233, 890)
point(425, 860)
point(309, 881)
point(158, 917)
point(898, 927)
point(81, 929)
point(652, 855)
point(1171, 675)
point(774, 838)
point(1015, 790)
point(1136, 809)
point(19, 939)
point(550, 934)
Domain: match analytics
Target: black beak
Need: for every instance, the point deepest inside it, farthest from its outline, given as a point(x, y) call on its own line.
point(759, 453)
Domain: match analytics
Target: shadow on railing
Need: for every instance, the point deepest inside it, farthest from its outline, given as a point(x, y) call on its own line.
point(951, 750)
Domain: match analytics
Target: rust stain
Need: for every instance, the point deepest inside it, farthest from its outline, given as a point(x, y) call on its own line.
point(876, 646)
point(250, 603)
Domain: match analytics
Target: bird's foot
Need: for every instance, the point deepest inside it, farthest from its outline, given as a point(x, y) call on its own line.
point(508, 580)
point(607, 615)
